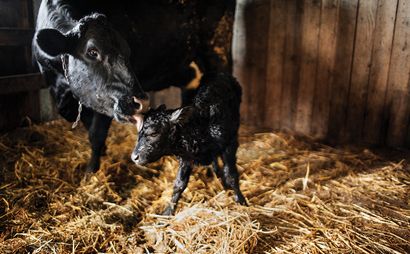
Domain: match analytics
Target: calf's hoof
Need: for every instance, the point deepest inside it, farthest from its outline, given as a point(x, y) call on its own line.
point(240, 199)
point(169, 211)
point(92, 167)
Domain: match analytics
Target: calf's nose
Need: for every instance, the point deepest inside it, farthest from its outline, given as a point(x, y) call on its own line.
point(135, 157)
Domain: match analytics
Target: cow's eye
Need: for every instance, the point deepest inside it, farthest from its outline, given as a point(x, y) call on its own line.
point(93, 53)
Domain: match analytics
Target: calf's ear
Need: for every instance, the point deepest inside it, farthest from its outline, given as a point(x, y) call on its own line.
point(53, 42)
point(161, 107)
point(181, 115)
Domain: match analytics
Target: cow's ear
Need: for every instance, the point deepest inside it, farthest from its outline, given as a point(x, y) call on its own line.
point(53, 42)
point(182, 115)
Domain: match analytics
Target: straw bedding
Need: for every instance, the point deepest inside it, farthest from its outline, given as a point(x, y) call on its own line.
point(304, 198)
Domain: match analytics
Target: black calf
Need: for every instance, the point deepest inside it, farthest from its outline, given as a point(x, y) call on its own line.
point(196, 134)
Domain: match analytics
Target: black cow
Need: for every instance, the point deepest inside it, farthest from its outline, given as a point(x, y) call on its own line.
point(105, 54)
point(196, 134)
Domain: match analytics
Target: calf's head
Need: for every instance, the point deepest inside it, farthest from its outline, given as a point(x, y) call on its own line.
point(98, 66)
point(157, 134)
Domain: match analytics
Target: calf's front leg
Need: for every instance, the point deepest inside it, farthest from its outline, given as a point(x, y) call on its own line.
point(181, 182)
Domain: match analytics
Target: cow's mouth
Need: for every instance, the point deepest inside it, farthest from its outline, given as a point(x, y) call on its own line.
point(136, 119)
point(139, 107)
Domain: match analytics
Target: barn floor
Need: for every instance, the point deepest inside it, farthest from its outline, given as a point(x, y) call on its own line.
point(304, 198)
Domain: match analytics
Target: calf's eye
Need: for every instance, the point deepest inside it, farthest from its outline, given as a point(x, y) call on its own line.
point(154, 135)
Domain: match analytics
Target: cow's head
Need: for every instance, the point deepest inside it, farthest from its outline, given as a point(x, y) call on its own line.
point(157, 133)
point(98, 66)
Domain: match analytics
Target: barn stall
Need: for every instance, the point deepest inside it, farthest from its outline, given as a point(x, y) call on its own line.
point(323, 154)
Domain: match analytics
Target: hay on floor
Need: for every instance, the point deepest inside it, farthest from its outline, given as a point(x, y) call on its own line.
point(304, 198)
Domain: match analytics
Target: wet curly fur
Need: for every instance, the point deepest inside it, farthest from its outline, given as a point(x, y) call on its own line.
point(196, 134)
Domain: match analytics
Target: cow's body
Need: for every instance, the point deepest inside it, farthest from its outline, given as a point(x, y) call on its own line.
point(164, 37)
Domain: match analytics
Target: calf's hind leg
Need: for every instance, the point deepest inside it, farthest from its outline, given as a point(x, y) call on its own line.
point(215, 168)
point(230, 175)
point(181, 182)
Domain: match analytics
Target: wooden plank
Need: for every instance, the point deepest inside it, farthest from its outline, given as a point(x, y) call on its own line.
point(309, 63)
point(343, 66)
point(12, 61)
point(291, 64)
point(398, 97)
point(32, 106)
point(256, 16)
point(27, 12)
point(10, 13)
point(14, 108)
point(26, 18)
point(408, 135)
point(21, 83)
point(171, 97)
point(383, 39)
point(260, 28)
point(326, 58)
point(238, 54)
point(15, 37)
point(11, 110)
point(360, 70)
point(248, 67)
point(275, 58)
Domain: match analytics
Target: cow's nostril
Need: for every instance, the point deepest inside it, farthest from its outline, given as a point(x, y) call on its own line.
point(136, 103)
point(143, 104)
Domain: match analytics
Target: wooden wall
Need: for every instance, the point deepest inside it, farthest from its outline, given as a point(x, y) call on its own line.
point(23, 96)
point(334, 69)
point(20, 95)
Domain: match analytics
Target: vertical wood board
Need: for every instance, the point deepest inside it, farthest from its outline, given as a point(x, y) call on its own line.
point(326, 63)
point(309, 63)
point(362, 58)
point(343, 66)
point(398, 98)
point(275, 58)
point(291, 64)
point(373, 128)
